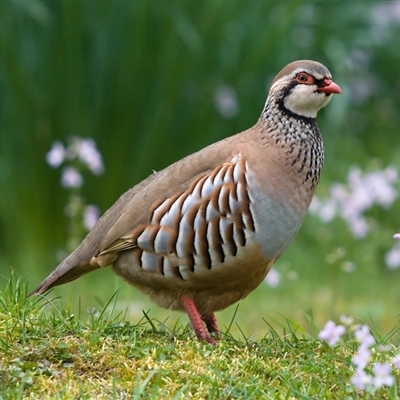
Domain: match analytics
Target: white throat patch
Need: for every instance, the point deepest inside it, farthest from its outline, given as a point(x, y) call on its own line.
point(304, 100)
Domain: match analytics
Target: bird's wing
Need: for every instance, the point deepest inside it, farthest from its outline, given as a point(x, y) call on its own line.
point(132, 209)
point(202, 226)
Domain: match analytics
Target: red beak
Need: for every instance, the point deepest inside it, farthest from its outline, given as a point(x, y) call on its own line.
point(329, 87)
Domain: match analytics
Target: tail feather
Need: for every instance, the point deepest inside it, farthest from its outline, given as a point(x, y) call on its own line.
point(63, 274)
point(79, 262)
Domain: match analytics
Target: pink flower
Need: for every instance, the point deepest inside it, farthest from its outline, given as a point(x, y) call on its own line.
point(352, 200)
point(56, 155)
point(396, 361)
point(361, 380)
point(364, 336)
point(332, 333)
point(382, 375)
point(226, 103)
point(90, 216)
point(346, 321)
point(392, 257)
point(89, 155)
point(273, 278)
point(362, 358)
point(86, 152)
point(71, 178)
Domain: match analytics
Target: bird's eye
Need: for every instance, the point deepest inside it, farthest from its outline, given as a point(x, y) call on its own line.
point(304, 78)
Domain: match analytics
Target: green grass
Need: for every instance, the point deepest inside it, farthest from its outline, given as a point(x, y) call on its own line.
point(140, 78)
point(51, 351)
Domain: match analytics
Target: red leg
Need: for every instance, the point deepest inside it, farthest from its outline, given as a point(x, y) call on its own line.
point(211, 323)
point(196, 321)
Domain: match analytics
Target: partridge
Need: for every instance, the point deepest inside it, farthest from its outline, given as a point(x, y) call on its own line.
point(204, 232)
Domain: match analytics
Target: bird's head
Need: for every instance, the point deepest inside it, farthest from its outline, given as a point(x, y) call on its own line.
point(303, 87)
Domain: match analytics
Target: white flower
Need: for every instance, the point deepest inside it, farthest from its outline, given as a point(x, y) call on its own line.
point(364, 336)
point(396, 361)
point(362, 358)
point(86, 151)
point(392, 257)
point(384, 348)
point(328, 210)
point(332, 333)
point(71, 178)
point(380, 184)
point(358, 226)
point(346, 321)
point(89, 155)
point(273, 278)
point(352, 200)
point(348, 267)
point(90, 216)
point(359, 197)
point(56, 155)
point(226, 101)
point(361, 380)
point(382, 375)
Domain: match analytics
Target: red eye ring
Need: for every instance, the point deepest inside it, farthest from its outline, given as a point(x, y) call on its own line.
point(304, 78)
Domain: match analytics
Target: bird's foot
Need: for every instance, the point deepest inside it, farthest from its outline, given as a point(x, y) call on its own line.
point(211, 323)
point(196, 321)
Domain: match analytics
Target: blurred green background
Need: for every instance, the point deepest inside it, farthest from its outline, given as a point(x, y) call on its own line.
point(145, 80)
